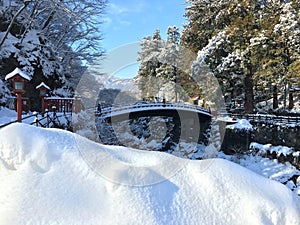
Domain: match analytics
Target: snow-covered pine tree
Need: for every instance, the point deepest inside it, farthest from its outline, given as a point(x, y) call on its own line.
point(160, 74)
point(149, 56)
point(279, 51)
point(253, 52)
point(287, 33)
point(168, 72)
point(205, 19)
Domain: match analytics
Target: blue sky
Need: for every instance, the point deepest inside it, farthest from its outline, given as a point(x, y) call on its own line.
point(129, 21)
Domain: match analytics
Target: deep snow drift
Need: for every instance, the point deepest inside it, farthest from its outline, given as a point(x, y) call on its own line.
point(46, 179)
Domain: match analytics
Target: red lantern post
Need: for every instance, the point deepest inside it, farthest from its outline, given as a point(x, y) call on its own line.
point(18, 78)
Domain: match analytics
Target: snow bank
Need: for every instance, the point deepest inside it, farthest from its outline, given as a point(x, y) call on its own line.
point(45, 180)
point(7, 115)
point(279, 150)
point(242, 124)
point(269, 168)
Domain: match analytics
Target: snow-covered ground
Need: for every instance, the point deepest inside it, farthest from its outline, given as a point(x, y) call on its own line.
point(269, 168)
point(242, 124)
point(45, 179)
point(268, 105)
point(8, 116)
point(50, 176)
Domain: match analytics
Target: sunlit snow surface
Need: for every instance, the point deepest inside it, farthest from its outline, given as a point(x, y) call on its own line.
point(242, 124)
point(45, 180)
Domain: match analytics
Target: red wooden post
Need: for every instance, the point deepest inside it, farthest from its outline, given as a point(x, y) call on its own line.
point(19, 107)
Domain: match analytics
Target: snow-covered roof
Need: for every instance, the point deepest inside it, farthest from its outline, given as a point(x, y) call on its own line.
point(42, 85)
point(17, 71)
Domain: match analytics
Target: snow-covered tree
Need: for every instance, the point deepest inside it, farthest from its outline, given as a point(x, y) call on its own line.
point(165, 70)
point(49, 40)
point(150, 62)
point(170, 59)
point(287, 39)
point(205, 19)
point(248, 44)
point(161, 74)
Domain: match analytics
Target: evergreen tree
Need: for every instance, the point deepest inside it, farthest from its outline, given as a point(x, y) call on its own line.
point(149, 58)
point(169, 70)
point(287, 37)
point(158, 73)
point(251, 46)
point(204, 21)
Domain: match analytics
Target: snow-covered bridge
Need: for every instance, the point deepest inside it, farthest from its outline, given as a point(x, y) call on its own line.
point(189, 122)
point(153, 109)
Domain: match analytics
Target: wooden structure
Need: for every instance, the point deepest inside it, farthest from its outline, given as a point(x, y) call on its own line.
point(18, 78)
point(11, 103)
point(62, 104)
point(43, 88)
point(25, 104)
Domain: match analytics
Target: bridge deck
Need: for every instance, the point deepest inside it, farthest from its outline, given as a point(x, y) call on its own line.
point(120, 110)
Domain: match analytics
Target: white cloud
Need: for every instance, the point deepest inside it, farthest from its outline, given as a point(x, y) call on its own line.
point(115, 9)
point(136, 6)
point(119, 14)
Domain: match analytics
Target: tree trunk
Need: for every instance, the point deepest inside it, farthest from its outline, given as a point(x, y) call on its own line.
point(249, 95)
point(291, 100)
point(285, 96)
point(275, 97)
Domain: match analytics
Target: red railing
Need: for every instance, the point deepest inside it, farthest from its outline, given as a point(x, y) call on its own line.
point(62, 104)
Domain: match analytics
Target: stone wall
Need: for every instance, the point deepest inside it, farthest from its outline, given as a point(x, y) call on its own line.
point(277, 135)
point(264, 134)
point(237, 141)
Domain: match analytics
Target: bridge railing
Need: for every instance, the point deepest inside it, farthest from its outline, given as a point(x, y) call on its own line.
point(111, 110)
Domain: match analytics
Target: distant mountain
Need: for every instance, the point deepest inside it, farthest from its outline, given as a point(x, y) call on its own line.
point(111, 82)
point(117, 91)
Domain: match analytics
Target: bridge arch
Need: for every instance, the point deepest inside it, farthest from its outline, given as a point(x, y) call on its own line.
point(189, 122)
